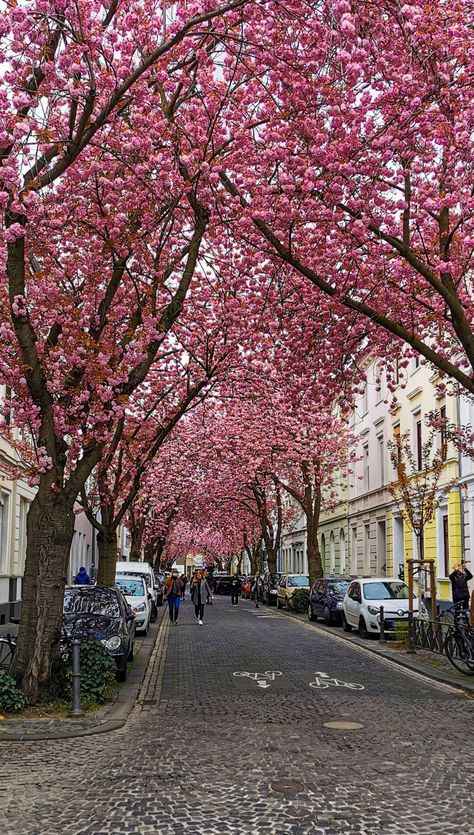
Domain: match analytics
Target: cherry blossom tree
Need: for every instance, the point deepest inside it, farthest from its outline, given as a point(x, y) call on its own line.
point(101, 233)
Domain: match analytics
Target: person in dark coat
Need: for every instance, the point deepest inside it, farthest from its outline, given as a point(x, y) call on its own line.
point(82, 578)
point(257, 589)
point(210, 582)
point(200, 593)
point(459, 585)
point(184, 581)
point(235, 589)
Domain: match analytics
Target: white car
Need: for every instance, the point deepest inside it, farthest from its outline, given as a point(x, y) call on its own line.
point(365, 596)
point(138, 598)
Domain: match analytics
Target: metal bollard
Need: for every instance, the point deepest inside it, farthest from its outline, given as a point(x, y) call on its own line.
point(76, 678)
point(382, 626)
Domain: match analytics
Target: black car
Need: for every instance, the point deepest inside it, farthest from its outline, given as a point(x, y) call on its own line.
point(222, 583)
point(269, 588)
point(103, 614)
point(325, 599)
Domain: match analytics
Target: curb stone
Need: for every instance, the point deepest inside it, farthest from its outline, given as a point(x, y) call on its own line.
point(467, 686)
point(114, 716)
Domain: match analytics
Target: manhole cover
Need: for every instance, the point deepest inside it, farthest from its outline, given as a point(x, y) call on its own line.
point(343, 726)
point(286, 786)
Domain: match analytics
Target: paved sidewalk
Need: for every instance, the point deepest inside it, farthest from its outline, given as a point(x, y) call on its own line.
point(107, 718)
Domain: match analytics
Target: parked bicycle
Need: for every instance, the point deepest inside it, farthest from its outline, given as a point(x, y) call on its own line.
point(7, 651)
point(459, 641)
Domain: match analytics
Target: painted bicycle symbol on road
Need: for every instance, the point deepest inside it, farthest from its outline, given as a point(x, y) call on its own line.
point(261, 679)
point(324, 680)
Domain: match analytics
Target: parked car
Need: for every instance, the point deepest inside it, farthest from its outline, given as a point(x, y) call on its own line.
point(364, 597)
point(269, 588)
point(288, 584)
point(142, 569)
point(102, 613)
point(138, 598)
point(159, 586)
point(326, 598)
point(222, 583)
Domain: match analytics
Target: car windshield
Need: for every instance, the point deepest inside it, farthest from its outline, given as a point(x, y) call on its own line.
point(146, 577)
point(385, 591)
point(298, 581)
point(339, 587)
point(134, 588)
point(100, 602)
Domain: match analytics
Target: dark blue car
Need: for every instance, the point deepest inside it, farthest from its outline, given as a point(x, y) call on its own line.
point(325, 599)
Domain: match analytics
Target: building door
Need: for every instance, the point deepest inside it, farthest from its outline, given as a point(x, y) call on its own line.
point(381, 549)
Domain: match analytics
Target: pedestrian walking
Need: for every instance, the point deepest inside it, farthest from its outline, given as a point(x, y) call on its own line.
point(173, 595)
point(200, 593)
point(184, 581)
point(82, 578)
point(235, 589)
point(257, 590)
point(459, 585)
point(211, 583)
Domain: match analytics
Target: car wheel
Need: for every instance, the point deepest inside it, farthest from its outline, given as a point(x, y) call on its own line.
point(346, 626)
point(154, 612)
point(327, 616)
point(279, 603)
point(160, 600)
point(363, 628)
point(311, 615)
point(131, 653)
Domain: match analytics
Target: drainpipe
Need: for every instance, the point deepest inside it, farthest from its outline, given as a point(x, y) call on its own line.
point(461, 497)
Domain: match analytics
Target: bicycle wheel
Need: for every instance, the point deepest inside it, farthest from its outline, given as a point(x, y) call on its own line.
point(7, 651)
point(459, 652)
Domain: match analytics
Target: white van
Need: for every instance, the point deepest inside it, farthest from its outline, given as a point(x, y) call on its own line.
point(143, 569)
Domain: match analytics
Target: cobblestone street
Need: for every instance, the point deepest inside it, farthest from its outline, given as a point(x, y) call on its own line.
point(208, 751)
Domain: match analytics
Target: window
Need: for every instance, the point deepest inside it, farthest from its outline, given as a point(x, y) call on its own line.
point(332, 553)
point(323, 551)
point(354, 550)
point(446, 545)
point(418, 442)
point(381, 451)
point(396, 439)
point(416, 362)
point(365, 399)
point(342, 549)
point(4, 531)
point(443, 435)
point(366, 467)
point(366, 549)
point(24, 506)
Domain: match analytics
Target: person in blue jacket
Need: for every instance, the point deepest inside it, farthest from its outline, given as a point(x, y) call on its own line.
point(82, 578)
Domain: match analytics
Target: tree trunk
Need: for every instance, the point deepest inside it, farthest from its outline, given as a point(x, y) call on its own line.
point(136, 545)
point(160, 546)
point(312, 511)
point(50, 530)
point(107, 543)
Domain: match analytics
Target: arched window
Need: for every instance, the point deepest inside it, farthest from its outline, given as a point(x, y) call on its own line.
point(332, 553)
point(342, 551)
point(323, 552)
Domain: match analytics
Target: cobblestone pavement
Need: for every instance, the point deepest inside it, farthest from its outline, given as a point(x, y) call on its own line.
point(220, 753)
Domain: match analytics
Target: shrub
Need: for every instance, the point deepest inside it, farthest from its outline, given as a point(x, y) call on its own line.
point(11, 697)
point(300, 600)
point(97, 672)
point(399, 633)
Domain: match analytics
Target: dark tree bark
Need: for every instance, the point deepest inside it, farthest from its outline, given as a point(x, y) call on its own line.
point(309, 499)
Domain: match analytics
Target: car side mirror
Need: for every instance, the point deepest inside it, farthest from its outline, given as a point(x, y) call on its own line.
point(149, 596)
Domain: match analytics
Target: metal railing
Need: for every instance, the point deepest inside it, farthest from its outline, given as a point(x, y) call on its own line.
point(428, 634)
